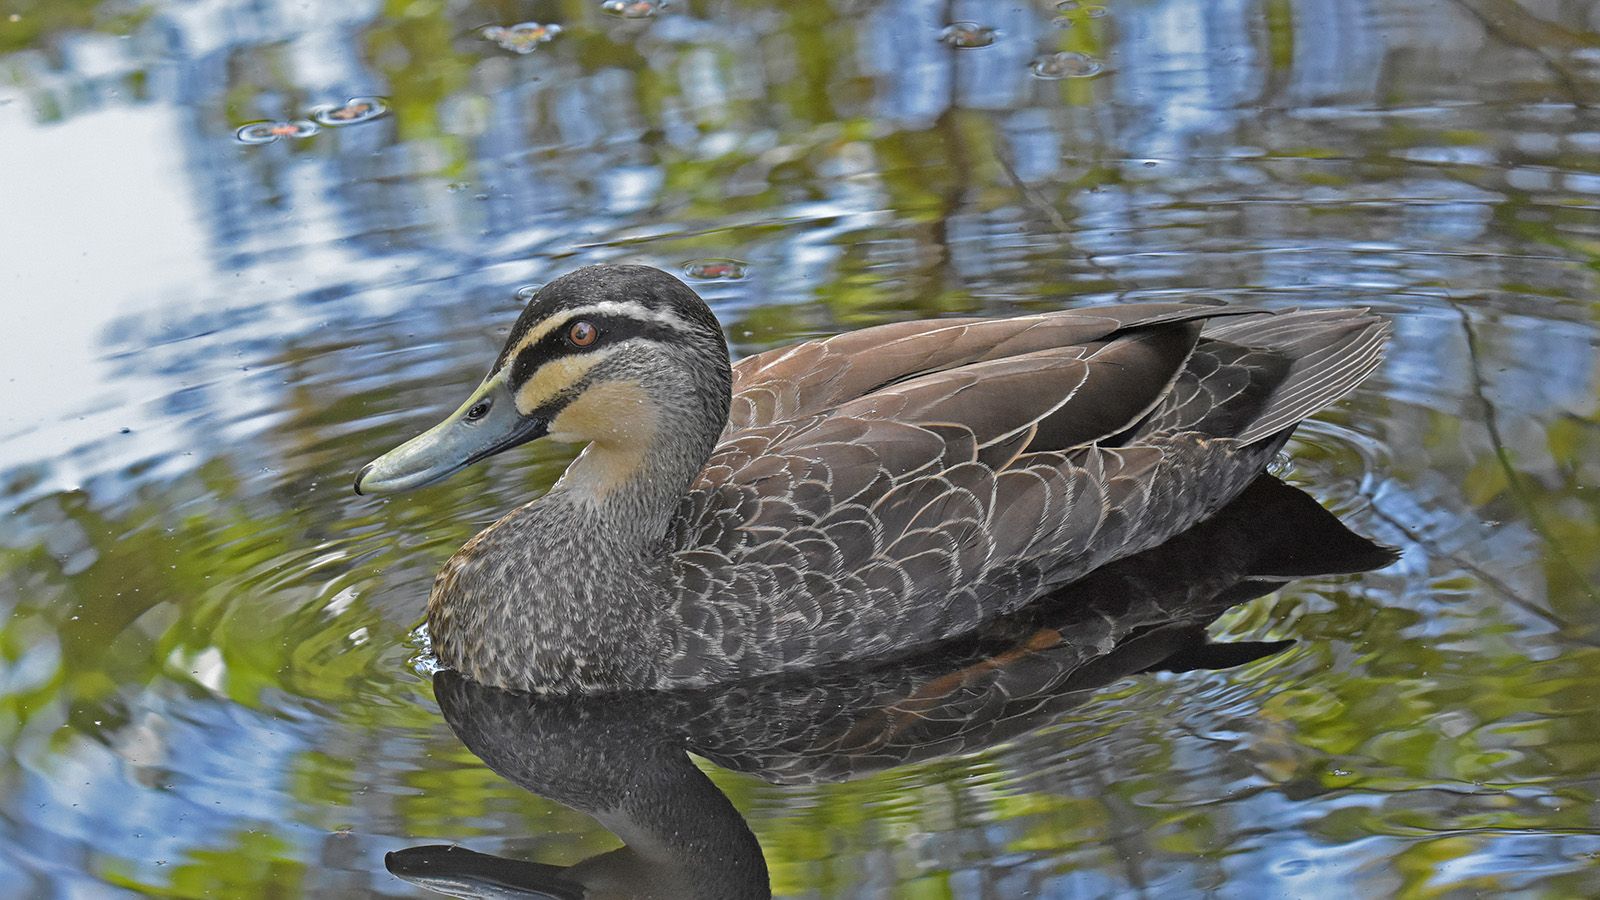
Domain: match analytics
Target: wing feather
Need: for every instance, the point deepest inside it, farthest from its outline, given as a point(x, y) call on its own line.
point(900, 484)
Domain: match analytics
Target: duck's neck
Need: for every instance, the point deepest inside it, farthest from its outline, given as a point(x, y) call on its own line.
point(566, 592)
point(625, 498)
point(647, 440)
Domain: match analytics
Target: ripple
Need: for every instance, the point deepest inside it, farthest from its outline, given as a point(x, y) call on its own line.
point(523, 37)
point(1066, 64)
point(351, 112)
point(968, 35)
point(268, 132)
point(1085, 10)
point(633, 9)
point(715, 269)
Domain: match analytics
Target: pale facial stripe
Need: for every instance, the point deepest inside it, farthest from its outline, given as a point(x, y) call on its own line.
point(629, 309)
point(555, 377)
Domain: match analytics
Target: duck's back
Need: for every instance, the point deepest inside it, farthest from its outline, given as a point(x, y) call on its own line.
point(902, 484)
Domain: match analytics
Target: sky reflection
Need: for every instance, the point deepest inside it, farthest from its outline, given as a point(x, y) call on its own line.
point(207, 634)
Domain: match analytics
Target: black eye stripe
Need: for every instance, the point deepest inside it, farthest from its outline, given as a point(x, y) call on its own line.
point(611, 328)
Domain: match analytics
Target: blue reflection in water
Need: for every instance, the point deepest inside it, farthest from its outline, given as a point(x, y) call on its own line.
point(258, 318)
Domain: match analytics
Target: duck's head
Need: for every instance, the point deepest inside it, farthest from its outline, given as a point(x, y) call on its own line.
point(613, 356)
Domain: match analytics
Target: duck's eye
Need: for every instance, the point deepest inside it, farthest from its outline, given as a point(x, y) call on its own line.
point(478, 411)
point(582, 333)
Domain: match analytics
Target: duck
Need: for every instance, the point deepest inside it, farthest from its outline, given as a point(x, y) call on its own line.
point(852, 497)
point(624, 759)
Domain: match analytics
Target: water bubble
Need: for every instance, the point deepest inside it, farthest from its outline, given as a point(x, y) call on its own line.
point(267, 132)
point(967, 35)
point(1066, 64)
point(527, 292)
point(715, 269)
point(633, 9)
point(356, 109)
point(523, 37)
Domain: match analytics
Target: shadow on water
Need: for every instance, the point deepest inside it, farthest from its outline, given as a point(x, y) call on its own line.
point(624, 759)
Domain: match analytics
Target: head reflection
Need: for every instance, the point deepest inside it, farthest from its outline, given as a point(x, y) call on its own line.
point(623, 758)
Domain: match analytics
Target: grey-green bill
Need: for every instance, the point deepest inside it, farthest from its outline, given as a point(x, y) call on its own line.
point(487, 423)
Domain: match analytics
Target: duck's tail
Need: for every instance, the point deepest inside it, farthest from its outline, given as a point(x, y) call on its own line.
point(1254, 376)
point(1328, 352)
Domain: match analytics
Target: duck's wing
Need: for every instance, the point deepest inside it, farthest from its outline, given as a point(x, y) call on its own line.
point(932, 500)
point(817, 376)
point(1147, 612)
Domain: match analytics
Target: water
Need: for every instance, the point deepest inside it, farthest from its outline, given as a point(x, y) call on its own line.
point(206, 656)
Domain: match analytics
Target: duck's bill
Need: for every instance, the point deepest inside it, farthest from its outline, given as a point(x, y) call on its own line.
point(484, 425)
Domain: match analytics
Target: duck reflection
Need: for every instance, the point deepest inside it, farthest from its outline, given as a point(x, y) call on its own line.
point(624, 758)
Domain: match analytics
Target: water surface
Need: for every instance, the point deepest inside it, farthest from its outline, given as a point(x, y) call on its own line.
point(206, 643)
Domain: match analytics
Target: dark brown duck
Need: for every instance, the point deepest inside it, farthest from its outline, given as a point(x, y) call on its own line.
point(623, 757)
point(845, 498)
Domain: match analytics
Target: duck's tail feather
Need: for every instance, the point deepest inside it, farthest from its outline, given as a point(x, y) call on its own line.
point(1330, 351)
